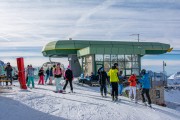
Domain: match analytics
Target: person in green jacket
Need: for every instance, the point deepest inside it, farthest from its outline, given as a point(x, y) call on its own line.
point(113, 74)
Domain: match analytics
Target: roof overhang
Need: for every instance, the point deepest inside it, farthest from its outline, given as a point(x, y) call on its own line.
point(84, 47)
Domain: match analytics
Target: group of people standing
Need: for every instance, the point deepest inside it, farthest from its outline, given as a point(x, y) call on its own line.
point(114, 74)
point(55, 73)
point(116, 79)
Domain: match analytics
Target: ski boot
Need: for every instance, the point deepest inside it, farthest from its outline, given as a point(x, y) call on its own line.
point(101, 94)
point(149, 105)
point(60, 91)
point(144, 103)
point(112, 98)
point(116, 98)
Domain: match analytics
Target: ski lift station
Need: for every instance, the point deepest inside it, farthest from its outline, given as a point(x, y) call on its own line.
point(88, 56)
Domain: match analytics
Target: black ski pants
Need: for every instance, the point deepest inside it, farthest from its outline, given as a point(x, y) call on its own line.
point(146, 91)
point(103, 89)
point(114, 86)
point(9, 76)
point(70, 82)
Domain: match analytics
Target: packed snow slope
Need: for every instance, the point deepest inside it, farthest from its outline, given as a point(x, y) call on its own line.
point(85, 104)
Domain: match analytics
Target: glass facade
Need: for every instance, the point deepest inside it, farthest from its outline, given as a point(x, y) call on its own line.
point(87, 65)
point(128, 64)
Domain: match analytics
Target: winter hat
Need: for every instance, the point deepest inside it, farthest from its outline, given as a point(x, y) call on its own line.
point(143, 71)
point(69, 67)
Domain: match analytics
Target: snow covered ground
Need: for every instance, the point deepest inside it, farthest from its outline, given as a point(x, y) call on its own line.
point(85, 104)
point(172, 98)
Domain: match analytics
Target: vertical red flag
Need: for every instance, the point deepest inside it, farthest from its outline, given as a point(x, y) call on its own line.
point(21, 73)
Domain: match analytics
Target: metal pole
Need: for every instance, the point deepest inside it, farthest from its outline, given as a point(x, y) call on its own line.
point(137, 36)
point(163, 73)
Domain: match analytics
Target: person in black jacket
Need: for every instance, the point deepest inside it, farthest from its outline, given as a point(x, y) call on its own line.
point(102, 81)
point(69, 78)
point(9, 70)
point(47, 74)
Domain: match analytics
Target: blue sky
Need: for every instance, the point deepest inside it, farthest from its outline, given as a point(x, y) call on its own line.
point(27, 25)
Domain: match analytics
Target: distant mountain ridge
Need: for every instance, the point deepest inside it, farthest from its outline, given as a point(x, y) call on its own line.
point(174, 79)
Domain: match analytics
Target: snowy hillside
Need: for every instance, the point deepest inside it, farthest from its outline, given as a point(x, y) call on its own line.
point(174, 79)
point(85, 104)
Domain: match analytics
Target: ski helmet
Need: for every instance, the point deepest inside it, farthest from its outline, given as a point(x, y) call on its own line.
point(143, 71)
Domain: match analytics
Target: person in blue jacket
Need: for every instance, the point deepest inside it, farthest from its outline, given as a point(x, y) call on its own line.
point(146, 85)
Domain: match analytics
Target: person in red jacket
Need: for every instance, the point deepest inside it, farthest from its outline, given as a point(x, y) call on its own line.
point(132, 87)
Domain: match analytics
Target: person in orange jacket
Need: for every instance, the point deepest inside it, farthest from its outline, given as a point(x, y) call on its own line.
point(132, 87)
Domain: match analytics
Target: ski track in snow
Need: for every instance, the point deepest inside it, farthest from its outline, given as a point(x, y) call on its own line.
point(87, 104)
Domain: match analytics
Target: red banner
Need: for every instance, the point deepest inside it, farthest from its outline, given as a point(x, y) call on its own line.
point(21, 73)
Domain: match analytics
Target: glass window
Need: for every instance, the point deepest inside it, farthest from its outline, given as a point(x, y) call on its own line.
point(128, 72)
point(98, 57)
point(121, 64)
point(107, 66)
point(135, 71)
point(88, 65)
point(128, 58)
point(80, 62)
point(135, 65)
point(128, 65)
point(106, 57)
point(99, 62)
point(120, 57)
point(134, 57)
point(114, 58)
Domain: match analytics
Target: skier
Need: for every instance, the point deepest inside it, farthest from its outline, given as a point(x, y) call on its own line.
point(145, 81)
point(102, 81)
point(132, 87)
point(9, 70)
point(30, 74)
point(120, 83)
point(50, 76)
point(69, 78)
point(27, 74)
point(113, 73)
point(41, 76)
point(47, 74)
point(58, 78)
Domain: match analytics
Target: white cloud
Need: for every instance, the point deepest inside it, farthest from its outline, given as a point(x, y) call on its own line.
point(20, 54)
point(23, 44)
point(110, 19)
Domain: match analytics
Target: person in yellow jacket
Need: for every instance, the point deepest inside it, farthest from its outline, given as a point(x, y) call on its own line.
point(113, 74)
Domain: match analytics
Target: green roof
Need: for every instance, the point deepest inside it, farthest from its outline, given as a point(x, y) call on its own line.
point(84, 47)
